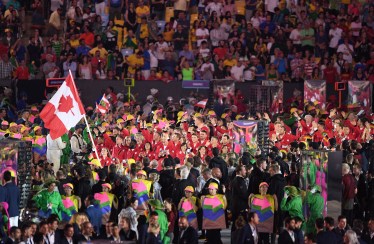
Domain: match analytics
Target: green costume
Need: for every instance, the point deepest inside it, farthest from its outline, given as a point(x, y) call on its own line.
point(163, 222)
point(44, 198)
point(310, 170)
point(294, 205)
point(316, 204)
point(65, 157)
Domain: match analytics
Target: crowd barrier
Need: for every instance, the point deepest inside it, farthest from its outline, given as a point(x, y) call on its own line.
point(92, 90)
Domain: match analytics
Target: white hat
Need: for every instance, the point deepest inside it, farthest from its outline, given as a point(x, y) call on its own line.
point(149, 97)
point(120, 95)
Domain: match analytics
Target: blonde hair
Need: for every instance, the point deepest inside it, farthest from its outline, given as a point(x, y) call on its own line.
point(79, 219)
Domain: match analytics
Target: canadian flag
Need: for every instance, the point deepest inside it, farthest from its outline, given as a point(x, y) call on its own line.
point(64, 110)
point(202, 103)
point(104, 105)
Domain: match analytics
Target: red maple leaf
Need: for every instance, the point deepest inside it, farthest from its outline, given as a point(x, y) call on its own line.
point(65, 104)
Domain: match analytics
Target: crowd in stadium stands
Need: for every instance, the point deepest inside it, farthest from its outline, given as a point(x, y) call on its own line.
point(172, 173)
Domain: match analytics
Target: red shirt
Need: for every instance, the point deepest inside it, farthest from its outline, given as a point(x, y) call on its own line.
point(330, 74)
point(88, 38)
point(22, 73)
point(221, 52)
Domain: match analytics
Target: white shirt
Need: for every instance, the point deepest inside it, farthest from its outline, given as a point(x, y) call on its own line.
point(347, 56)
point(355, 25)
point(200, 33)
point(204, 52)
point(212, 6)
point(254, 233)
point(51, 237)
point(292, 235)
point(295, 36)
point(248, 74)
point(271, 4)
point(207, 65)
point(160, 50)
point(336, 35)
point(153, 59)
point(56, 144)
point(237, 72)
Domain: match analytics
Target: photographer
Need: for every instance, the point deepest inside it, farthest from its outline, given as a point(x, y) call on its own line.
point(78, 145)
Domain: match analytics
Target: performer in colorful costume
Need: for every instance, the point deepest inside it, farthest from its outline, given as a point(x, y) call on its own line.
point(157, 207)
point(71, 202)
point(265, 206)
point(292, 202)
point(188, 206)
point(106, 200)
point(316, 205)
point(214, 206)
point(39, 146)
point(48, 201)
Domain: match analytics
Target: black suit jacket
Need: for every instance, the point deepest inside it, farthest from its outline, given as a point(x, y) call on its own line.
point(243, 236)
point(240, 195)
point(285, 238)
point(63, 240)
point(189, 236)
point(9, 241)
point(82, 238)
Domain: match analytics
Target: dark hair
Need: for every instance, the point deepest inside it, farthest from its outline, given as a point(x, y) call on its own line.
point(251, 215)
point(13, 229)
point(44, 222)
point(154, 213)
point(91, 199)
point(288, 220)
point(52, 219)
point(67, 227)
point(329, 220)
point(319, 223)
point(7, 175)
point(239, 168)
point(297, 219)
point(341, 217)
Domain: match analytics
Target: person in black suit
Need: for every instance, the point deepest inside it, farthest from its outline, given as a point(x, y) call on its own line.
point(328, 235)
point(54, 233)
point(87, 233)
point(218, 162)
point(239, 193)
point(287, 236)
point(213, 175)
point(153, 235)
point(15, 235)
point(248, 233)
point(67, 238)
point(97, 188)
point(12, 197)
point(368, 235)
point(187, 234)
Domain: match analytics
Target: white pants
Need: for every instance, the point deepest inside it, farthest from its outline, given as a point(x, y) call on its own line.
point(13, 221)
point(54, 156)
point(100, 8)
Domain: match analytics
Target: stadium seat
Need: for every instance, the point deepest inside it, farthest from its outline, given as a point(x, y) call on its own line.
point(240, 7)
point(169, 12)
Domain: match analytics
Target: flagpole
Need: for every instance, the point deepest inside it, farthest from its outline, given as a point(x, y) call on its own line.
point(89, 132)
point(85, 119)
